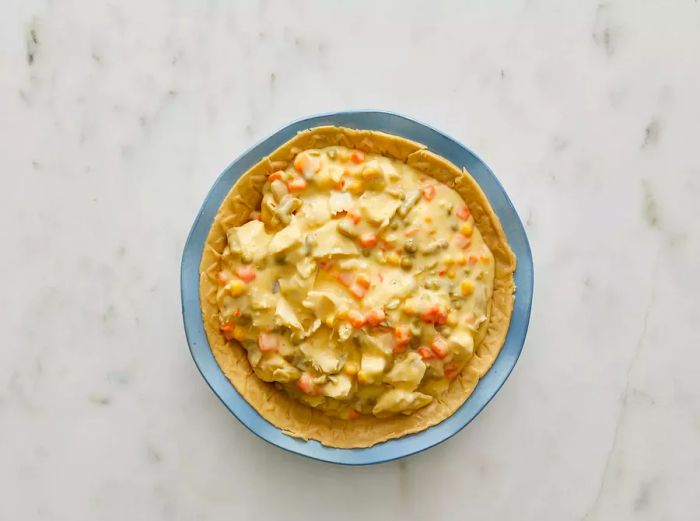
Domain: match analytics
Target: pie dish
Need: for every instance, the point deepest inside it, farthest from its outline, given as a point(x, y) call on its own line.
point(348, 290)
point(299, 353)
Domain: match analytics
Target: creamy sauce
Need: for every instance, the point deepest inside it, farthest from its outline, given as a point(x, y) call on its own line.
point(361, 285)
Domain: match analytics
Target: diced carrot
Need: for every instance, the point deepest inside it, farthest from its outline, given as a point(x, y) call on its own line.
point(223, 280)
point(356, 318)
point(305, 385)
point(363, 280)
point(450, 373)
point(296, 185)
point(325, 265)
point(398, 348)
point(275, 175)
point(357, 156)
point(299, 163)
point(246, 273)
point(462, 242)
point(357, 291)
point(439, 347)
point(473, 259)
point(402, 334)
point(434, 315)
point(354, 216)
point(268, 342)
point(463, 213)
point(428, 192)
point(236, 312)
point(353, 413)
point(227, 330)
point(368, 240)
point(441, 271)
point(425, 353)
point(412, 231)
point(345, 278)
point(375, 316)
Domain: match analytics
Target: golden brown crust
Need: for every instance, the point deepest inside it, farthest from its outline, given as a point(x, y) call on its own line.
point(300, 420)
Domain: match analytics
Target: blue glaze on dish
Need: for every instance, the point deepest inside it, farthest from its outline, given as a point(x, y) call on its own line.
point(487, 387)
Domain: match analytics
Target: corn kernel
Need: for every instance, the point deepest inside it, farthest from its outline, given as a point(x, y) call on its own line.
point(350, 368)
point(410, 307)
point(329, 322)
point(466, 230)
point(362, 377)
point(451, 273)
point(236, 287)
point(485, 259)
point(452, 320)
point(466, 287)
point(239, 333)
point(393, 258)
point(343, 155)
point(447, 260)
point(356, 187)
point(371, 172)
point(461, 259)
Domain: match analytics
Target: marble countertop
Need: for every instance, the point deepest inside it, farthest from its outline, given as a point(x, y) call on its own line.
point(116, 117)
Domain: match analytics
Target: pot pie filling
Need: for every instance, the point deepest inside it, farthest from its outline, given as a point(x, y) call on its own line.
point(361, 286)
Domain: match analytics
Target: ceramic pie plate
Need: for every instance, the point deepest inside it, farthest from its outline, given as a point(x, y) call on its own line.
point(489, 384)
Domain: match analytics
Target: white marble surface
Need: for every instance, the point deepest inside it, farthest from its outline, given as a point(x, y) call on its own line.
point(116, 117)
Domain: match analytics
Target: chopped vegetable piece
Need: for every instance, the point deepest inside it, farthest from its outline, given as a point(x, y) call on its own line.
point(325, 265)
point(466, 287)
point(223, 279)
point(352, 414)
point(393, 258)
point(296, 185)
point(255, 216)
point(463, 213)
point(451, 373)
point(428, 192)
point(275, 175)
point(356, 187)
point(426, 353)
point(246, 273)
point(434, 315)
point(439, 347)
point(346, 279)
point(462, 242)
point(402, 334)
point(306, 385)
point(239, 333)
point(375, 316)
point(358, 291)
point(356, 217)
point(228, 326)
point(236, 287)
point(368, 240)
point(411, 231)
point(363, 280)
point(268, 342)
point(466, 229)
point(473, 259)
point(357, 156)
point(356, 318)
point(399, 348)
